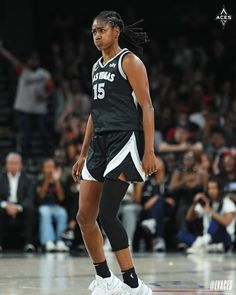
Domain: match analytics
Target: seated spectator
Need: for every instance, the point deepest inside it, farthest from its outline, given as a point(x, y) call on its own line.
point(230, 125)
point(155, 209)
point(129, 212)
point(71, 131)
point(217, 147)
point(17, 201)
point(180, 142)
point(72, 234)
point(184, 184)
point(218, 213)
point(52, 215)
point(228, 176)
point(170, 163)
point(205, 163)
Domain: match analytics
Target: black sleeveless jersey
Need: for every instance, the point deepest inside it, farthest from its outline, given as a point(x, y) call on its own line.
point(114, 105)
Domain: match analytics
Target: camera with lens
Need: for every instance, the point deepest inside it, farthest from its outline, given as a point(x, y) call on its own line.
point(201, 202)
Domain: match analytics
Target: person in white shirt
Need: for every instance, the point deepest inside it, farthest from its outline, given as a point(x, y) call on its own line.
point(17, 201)
point(218, 216)
point(34, 87)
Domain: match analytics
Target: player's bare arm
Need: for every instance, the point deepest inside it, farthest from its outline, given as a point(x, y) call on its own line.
point(137, 76)
point(78, 166)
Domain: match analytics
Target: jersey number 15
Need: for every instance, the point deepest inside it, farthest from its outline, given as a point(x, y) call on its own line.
point(98, 90)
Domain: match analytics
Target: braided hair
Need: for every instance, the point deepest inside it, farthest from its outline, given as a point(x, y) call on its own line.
point(131, 36)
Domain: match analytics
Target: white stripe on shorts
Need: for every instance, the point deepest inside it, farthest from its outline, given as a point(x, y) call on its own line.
point(85, 173)
point(130, 147)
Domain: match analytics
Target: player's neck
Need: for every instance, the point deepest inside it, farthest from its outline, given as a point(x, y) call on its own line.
point(110, 53)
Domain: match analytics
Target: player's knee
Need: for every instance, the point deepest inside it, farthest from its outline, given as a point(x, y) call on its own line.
point(83, 219)
point(79, 217)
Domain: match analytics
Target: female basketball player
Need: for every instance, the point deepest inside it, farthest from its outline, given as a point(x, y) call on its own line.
point(118, 148)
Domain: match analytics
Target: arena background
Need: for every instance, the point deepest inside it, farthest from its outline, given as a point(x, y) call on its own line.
point(191, 64)
point(27, 26)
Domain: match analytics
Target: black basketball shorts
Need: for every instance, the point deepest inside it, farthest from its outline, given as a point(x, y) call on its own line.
point(113, 153)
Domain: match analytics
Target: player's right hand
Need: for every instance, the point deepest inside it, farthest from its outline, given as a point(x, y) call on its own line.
point(77, 169)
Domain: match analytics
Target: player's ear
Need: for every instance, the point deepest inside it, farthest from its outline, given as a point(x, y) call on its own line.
point(117, 32)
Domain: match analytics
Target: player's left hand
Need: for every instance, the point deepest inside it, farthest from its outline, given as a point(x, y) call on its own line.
point(151, 163)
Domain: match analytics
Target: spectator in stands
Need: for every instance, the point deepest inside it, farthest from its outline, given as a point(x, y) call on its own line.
point(154, 209)
point(180, 141)
point(130, 210)
point(70, 132)
point(211, 122)
point(218, 213)
point(230, 124)
point(77, 103)
point(228, 176)
point(170, 164)
point(205, 163)
point(17, 201)
point(52, 215)
point(217, 144)
point(217, 147)
point(72, 234)
point(185, 183)
point(223, 98)
point(35, 85)
point(129, 213)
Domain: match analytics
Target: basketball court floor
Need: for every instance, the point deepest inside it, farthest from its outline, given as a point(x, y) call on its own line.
point(166, 273)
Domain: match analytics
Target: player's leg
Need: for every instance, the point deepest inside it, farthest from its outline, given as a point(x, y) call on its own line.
point(113, 193)
point(124, 165)
point(124, 256)
point(90, 192)
point(89, 199)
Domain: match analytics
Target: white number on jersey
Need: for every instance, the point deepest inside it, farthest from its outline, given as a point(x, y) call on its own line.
point(99, 92)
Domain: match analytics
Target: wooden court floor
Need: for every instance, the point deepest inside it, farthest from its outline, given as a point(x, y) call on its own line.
point(166, 273)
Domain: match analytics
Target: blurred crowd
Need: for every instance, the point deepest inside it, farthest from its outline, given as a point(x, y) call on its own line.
point(190, 204)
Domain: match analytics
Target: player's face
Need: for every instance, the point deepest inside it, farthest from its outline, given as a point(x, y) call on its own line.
point(104, 35)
